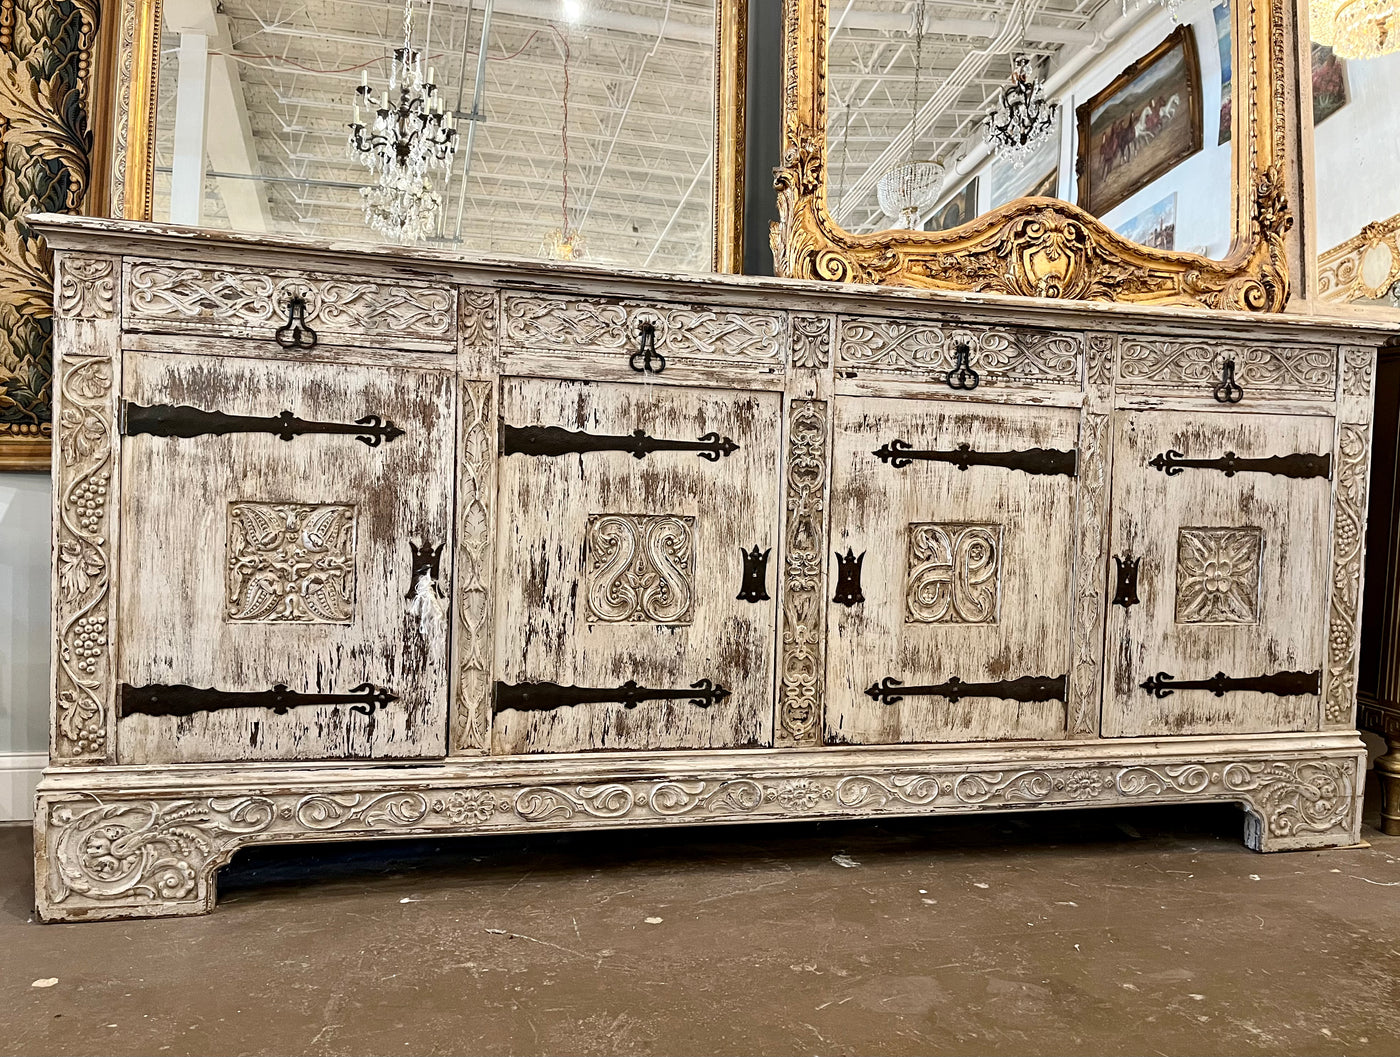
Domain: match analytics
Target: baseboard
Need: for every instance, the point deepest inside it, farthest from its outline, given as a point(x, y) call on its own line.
point(19, 774)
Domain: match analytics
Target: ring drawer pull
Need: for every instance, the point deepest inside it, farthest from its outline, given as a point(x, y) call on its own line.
point(1228, 391)
point(962, 376)
point(296, 333)
point(646, 360)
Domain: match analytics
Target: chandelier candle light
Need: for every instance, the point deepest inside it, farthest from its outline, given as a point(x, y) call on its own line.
point(406, 137)
point(1356, 29)
point(1022, 119)
point(908, 189)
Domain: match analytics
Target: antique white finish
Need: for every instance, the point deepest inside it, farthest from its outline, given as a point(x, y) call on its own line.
point(472, 562)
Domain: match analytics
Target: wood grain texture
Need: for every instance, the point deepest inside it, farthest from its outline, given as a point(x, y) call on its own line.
point(873, 506)
point(543, 631)
point(1150, 512)
point(174, 576)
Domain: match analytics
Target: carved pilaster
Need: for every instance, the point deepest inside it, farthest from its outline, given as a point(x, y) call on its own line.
point(85, 498)
point(802, 669)
point(1091, 539)
point(476, 489)
point(1352, 462)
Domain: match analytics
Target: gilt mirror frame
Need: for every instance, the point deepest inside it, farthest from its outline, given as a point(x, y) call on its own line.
point(138, 75)
point(1041, 247)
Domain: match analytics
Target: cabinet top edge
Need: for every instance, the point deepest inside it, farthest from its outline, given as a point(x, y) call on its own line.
point(128, 238)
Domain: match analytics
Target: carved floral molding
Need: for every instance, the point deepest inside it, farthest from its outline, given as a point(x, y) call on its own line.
point(162, 852)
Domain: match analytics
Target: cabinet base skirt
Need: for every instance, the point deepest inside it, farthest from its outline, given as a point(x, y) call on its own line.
point(126, 842)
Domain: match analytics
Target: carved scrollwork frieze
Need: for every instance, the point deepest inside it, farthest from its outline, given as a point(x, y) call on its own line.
point(543, 323)
point(154, 853)
point(1281, 368)
point(998, 354)
point(210, 298)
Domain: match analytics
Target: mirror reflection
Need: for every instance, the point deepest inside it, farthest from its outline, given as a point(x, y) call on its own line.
point(940, 110)
point(566, 129)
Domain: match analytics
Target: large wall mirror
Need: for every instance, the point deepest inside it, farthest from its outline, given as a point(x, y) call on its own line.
point(1064, 148)
point(579, 129)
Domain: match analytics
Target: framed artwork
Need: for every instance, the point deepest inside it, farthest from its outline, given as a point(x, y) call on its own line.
point(1329, 78)
point(1008, 180)
point(959, 209)
point(1046, 186)
point(1227, 62)
point(1145, 123)
point(1155, 226)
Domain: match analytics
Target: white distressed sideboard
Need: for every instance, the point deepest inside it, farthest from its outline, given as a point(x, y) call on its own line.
point(358, 543)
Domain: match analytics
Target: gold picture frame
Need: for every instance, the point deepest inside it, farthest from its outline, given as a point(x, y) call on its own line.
point(1044, 248)
point(1099, 202)
point(133, 169)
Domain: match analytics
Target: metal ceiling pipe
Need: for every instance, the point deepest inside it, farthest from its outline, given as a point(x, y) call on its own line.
point(475, 116)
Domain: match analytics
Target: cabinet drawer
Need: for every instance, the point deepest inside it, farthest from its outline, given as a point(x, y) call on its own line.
point(1196, 367)
point(282, 595)
point(636, 527)
point(929, 350)
point(172, 297)
point(697, 342)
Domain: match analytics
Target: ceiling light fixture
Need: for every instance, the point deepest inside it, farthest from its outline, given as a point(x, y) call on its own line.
point(908, 189)
point(1356, 29)
point(406, 137)
point(1022, 119)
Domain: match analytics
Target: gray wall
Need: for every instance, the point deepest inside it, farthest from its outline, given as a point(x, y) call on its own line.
point(24, 612)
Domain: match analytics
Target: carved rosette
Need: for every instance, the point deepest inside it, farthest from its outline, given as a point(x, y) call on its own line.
point(134, 855)
point(87, 287)
point(479, 319)
point(811, 341)
point(84, 494)
point(1348, 532)
point(476, 486)
point(802, 666)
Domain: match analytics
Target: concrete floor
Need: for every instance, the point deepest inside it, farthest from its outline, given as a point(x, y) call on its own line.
point(1136, 931)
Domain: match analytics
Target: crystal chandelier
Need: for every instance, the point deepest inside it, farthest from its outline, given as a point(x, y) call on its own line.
point(908, 189)
point(1022, 120)
point(408, 135)
point(1357, 29)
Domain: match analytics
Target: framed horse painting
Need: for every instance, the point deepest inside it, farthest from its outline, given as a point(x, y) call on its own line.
point(1145, 123)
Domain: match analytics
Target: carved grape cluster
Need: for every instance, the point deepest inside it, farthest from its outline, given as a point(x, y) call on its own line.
point(90, 501)
point(88, 642)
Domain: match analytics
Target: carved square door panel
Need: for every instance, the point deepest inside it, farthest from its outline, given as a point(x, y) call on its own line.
point(636, 526)
point(1218, 575)
point(285, 552)
point(953, 529)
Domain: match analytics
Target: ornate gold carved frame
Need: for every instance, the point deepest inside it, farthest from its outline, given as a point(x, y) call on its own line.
point(1044, 247)
point(133, 174)
point(1365, 266)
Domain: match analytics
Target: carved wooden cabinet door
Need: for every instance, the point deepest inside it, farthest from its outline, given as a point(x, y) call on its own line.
point(1219, 573)
point(636, 527)
point(285, 550)
point(953, 529)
